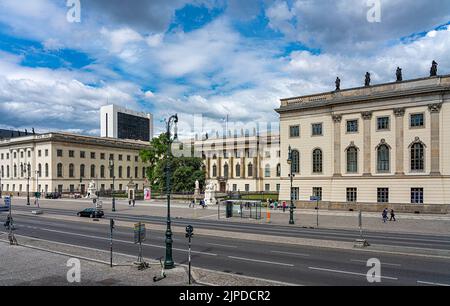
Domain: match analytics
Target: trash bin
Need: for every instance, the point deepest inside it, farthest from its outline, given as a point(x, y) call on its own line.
point(229, 209)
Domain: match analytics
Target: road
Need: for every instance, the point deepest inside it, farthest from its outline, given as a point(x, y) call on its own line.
point(394, 239)
point(293, 264)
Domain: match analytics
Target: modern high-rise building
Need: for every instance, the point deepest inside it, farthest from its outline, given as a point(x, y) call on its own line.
point(121, 123)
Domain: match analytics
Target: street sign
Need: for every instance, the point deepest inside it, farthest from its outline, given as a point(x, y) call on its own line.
point(314, 198)
point(7, 201)
point(139, 232)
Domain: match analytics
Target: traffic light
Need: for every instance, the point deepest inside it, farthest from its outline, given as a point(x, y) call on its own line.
point(189, 231)
point(111, 223)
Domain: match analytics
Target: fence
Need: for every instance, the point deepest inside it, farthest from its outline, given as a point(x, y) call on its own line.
point(240, 208)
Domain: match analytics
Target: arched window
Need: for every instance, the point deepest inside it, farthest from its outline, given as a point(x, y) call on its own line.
point(278, 170)
point(225, 170)
point(136, 172)
point(214, 171)
point(250, 170)
point(120, 171)
point(144, 175)
point(128, 172)
point(267, 171)
point(71, 170)
point(82, 167)
point(46, 170)
point(7, 171)
point(383, 159)
point(295, 155)
point(39, 170)
point(418, 157)
point(317, 161)
point(21, 170)
point(15, 170)
point(92, 170)
point(3, 172)
point(59, 170)
point(102, 171)
point(111, 172)
point(352, 159)
point(238, 170)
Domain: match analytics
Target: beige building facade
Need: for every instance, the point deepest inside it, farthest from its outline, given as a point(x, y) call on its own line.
point(66, 163)
point(385, 145)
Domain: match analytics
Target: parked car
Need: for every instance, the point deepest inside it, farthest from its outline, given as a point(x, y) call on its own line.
point(53, 195)
point(91, 213)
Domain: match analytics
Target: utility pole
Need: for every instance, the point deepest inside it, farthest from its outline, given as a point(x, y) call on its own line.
point(189, 234)
point(111, 227)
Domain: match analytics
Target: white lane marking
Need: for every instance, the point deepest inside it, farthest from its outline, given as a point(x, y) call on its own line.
point(383, 263)
point(348, 272)
point(289, 253)
point(209, 216)
point(261, 261)
point(434, 284)
point(222, 245)
point(123, 241)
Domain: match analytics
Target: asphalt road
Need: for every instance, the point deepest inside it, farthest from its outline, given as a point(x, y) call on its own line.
point(288, 263)
point(393, 239)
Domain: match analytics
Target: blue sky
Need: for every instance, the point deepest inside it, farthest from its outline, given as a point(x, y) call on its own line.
point(215, 58)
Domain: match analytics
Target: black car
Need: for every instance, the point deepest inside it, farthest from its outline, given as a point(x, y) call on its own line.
point(91, 213)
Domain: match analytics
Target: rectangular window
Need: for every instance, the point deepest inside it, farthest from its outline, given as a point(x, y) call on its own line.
point(111, 156)
point(317, 192)
point(278, 187)
point(59, 153)
point(317, 129)
point(128, 157)
point(120, 157)
point(71, 153)
point(417, 120)
point(92, 155)
point(136, 158)
point(2, 155)
point(247, 187)
point(352, 195)
point(382, 123)
point(82, 154)
point(46, 152)
point(39, 153)
point(417, 196)
point(60, 188)
point(295, 193)
point(383, 195)
point(102, 155)
point(234, 187)
point(352, 126)
point(294, 131)
point(29, 154)
point(267, 187)
point(72, 188)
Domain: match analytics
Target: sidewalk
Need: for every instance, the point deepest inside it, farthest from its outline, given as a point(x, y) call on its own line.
point(406, 223)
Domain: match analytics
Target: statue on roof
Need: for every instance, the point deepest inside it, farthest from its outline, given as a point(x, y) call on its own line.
point(338, 84)
point(434, 69)
point(367, 80)
point(399, 74)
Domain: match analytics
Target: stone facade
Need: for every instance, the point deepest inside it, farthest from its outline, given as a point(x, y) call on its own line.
point(56, 161)
point(386, 145)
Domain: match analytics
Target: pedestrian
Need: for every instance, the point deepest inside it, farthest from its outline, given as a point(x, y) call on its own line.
point(392, 215)
point(284, 206)
point(384, 215)
point(192, 204)
point(134, 202)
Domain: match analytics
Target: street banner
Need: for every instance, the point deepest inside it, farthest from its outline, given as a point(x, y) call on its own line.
point(147, 194)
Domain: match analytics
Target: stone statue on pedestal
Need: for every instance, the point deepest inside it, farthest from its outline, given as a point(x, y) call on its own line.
point(434, 69)
point(399, 74)
point(210, 194)
point(92, 190)
point(367, 80)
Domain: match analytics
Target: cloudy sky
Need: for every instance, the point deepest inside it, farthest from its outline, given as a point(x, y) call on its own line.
point(215, 58)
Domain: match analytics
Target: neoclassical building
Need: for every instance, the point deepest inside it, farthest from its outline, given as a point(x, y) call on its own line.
point(245, 162)
point(68, 162)
point(377, 146)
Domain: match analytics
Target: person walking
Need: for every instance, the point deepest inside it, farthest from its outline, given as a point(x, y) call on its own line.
point(392, 215)
point(284, 206)
point(384, 215)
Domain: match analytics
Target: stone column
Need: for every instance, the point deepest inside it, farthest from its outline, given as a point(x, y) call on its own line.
point(399, 140)
point(337, 145)
point(367, 117)
point(435, 110)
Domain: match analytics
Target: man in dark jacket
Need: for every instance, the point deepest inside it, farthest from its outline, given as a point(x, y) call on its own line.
point(392, 215)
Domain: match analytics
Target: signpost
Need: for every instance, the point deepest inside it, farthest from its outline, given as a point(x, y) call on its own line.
point(111, 227)
point(316, 199)
point(189, 234)
point(139, 237)
point(12, 239)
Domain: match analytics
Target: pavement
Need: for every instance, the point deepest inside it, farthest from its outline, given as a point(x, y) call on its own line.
point(245, 261)
point(406, 223)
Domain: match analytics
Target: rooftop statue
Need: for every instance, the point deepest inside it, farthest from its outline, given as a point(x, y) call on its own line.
point(399, 74)
point(338, 84)
point(367, 80)
point(434, 69)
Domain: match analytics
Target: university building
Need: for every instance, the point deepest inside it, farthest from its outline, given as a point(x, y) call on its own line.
point(66, 163)
point(376, 146)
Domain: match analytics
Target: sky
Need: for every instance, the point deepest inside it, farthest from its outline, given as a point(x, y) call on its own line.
point(60, 62)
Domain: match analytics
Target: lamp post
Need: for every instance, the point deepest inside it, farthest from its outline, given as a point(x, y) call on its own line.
point(111, 170)
point(1, 174)
point(38, 173)
point(27, 170)
point(291, 176)
point(168, 261)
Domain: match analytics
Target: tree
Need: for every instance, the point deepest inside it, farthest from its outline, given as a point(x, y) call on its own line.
point(184, 170)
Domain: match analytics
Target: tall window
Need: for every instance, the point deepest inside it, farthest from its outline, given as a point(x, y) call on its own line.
point(317, 161)
point(417, 196)
point(278, 170)
point(7, 171)
point(352, 160)
point(39, 170)
point(92, 170)
point(214, 171)
point(59, 170)
point(71, 170)
point(128, 172)
point(15, 170)
point(267, 171)
point(120, 171)
point(111, 172)
point(317, 192)
point(225, 170)
point(383, 195)
point(352, 195)
point(295, 161)
point(136, 172)
point(383, 158)
point(417, 157)
point(82, 168)
point(3, 172)
point(102, 171)
point(238, 170)
point(144, 172)
point(46, 170)
point(250, 170)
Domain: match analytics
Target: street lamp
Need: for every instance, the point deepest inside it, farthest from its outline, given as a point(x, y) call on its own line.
point(111, 170)
point(38, 191)
point(291, 176)
point(1, 174)
point(168, 262)
point(27, 170)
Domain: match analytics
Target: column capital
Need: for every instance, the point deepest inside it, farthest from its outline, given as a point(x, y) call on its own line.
point(337, 118)
point(435, 108)
point(399, 112)
point(366, 115)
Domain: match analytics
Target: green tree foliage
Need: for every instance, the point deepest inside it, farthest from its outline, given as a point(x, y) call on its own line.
point(184, 170)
